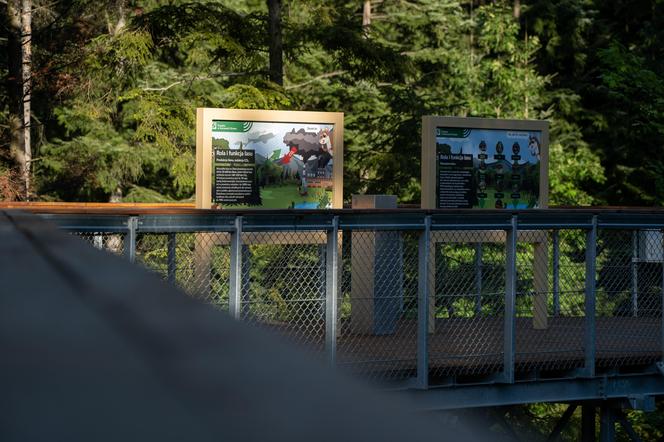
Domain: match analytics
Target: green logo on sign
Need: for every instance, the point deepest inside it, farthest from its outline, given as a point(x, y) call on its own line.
point(452, 132)
point(231, 126)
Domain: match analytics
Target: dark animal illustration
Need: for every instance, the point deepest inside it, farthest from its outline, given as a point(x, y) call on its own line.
point(306, 144)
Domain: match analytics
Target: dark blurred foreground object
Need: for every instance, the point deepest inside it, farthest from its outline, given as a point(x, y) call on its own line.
point(95, 349)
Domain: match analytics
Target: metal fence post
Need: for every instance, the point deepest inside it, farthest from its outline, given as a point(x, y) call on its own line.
point(635, 273)
point(235, 283)
point(332, 290)
point(130, 244)
point(510, 302)
point(556, 273)
point(172, 260)
point(478, 277)
point(423, 286)
point(590, 310)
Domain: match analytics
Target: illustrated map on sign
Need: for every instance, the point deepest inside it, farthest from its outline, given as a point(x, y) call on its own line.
point(487, 168)
point(272, 165)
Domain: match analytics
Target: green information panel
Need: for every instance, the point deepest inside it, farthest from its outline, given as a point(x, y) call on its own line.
point(272, 164)
point(487, 168)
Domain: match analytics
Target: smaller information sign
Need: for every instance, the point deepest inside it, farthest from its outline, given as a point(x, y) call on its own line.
point(483, 163)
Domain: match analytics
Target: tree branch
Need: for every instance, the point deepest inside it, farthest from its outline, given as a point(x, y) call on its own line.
point(320, 77)
point(197, 78)
point(165, 88)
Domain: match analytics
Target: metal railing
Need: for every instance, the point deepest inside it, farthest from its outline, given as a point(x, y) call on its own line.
point(420, 297)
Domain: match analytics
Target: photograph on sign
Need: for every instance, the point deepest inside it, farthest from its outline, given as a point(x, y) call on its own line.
point(487, 168)
point(274, 165)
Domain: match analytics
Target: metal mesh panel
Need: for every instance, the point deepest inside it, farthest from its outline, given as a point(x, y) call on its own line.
point(378, 310)
point(283, 284)
point(284, 277)
point(550, 295)
point(197, 262)
point(629, 297)
point(112, 242)
point(469, 285)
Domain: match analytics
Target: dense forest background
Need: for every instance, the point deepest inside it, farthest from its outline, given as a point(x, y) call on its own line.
point(99, 97)
point(104, 109)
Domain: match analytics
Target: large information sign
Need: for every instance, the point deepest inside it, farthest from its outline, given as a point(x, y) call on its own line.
point(269, 159)
point(484, 163)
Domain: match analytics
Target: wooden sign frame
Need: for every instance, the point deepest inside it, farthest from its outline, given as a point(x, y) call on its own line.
point(205, 117)
point(429, 125)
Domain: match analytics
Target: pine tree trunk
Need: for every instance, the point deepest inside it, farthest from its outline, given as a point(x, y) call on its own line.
point(517, 9)
point(14, 83)
point(26, 59)
point(276, 44)
point(366, 14)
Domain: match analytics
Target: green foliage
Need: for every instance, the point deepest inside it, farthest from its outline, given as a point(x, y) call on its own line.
point(609, 56)
point(134, 87)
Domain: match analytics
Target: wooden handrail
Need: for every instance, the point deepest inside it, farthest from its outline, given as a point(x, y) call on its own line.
point(190, 208)
point(101, 208)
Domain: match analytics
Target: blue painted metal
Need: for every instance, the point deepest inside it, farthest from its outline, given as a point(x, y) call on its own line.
point(607, 426)
point(186, 223)
point(635, 273)
point(89, 223)
point(235, 286)
point(590, 330)
point(510, 303)
point(588, 422)
point(561, 390)
point(332, 290)
point(423, 305)
point(502, 390)
point(375, 219)
point(130, 241)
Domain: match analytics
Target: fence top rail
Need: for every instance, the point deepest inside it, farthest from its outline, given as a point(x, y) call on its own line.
point(176, 216)
point(394, 219)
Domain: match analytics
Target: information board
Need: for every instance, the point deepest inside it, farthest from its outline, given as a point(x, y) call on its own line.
point(269, 159)
point(484, 163)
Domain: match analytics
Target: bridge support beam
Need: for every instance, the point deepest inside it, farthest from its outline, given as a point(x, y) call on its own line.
point(562, 423)
point(588, 422)
point(607, 422)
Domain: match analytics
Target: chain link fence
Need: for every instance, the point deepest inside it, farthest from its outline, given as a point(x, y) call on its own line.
point(283, 284)
point(463, 306)
point(111, 242)
point(629, 297)
point(198, 263)
point(377, 334)
point(468, 296)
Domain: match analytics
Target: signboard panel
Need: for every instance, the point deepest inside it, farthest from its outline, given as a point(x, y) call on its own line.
point(484, 163)
point(269, 159)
